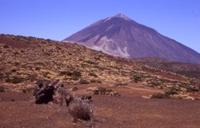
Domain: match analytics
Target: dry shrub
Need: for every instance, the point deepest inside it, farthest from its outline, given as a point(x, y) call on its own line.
point(102, 91)
point(75, 75)
point(28, 90)
point(159, 96)
point(155, 83)
point(79, 109)
point(171, 91)
point(167, 93)
point(191, 88)
point(105, 91)
point(136, 77)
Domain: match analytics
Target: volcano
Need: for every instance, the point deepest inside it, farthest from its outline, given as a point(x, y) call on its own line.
point(123, 37)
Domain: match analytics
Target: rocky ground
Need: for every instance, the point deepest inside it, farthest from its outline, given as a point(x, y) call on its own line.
point(129, 110)
point(127, 93)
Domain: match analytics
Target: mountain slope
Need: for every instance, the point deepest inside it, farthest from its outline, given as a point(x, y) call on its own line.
point(123, 37)
point(29, 58)
point(24, 60)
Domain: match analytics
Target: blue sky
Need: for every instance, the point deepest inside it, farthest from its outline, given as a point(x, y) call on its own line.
point(57, 19)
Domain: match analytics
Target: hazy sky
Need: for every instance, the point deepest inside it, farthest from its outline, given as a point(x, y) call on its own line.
point(57, 19)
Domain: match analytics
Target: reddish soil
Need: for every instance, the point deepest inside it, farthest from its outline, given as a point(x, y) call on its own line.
point(130, 110)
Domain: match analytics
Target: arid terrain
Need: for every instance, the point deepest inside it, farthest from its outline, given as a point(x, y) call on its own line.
point(129, 110)
point(149, 96)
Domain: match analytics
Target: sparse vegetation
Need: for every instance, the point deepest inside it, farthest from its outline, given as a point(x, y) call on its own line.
point(136, 77)
point(67, 64)
point(80, 109)
point(167, 93)
point(159, 95)
point(28, 90)
point(75, 75)
point(105, 91)
point(102, 91)
point(191, 88)
point(155, 83)
point(171, 91)
point(116, 85)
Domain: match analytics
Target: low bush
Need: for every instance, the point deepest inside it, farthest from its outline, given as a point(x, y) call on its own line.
point(75, 75)
point(28, 90)
point(159, 95)
point(167, 93)
point(155, 83)
point(136, 77)
point(171, 91)
point(80, 109)
point(102, 91)
point(191, 88)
